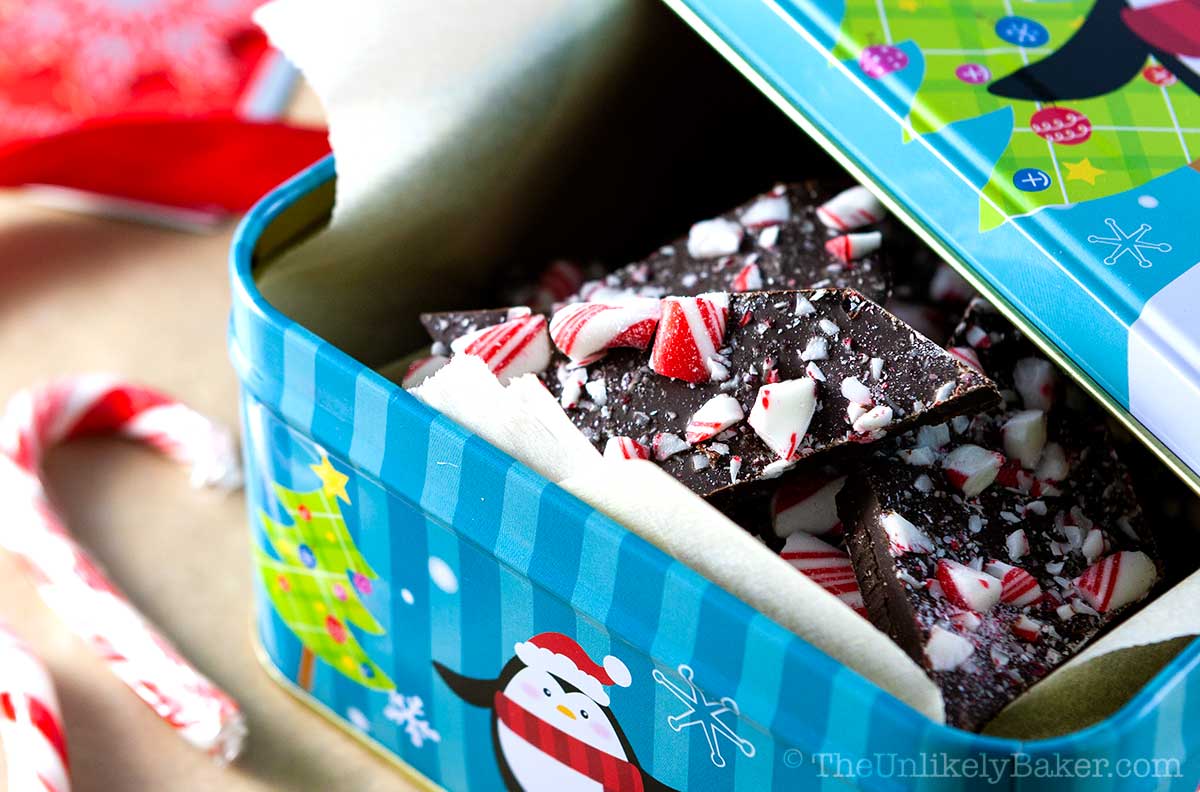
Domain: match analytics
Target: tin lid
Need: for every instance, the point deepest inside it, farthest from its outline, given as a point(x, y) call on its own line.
point(1051, 151)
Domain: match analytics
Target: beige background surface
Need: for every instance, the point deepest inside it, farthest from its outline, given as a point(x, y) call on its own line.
point(86, 294)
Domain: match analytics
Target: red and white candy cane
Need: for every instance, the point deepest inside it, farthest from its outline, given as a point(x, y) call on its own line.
point(70, 582)
point(30, 720)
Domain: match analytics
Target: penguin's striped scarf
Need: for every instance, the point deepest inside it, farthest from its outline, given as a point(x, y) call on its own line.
point(605, 769)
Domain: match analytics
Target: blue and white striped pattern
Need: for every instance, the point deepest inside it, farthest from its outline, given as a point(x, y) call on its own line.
point(530, 558)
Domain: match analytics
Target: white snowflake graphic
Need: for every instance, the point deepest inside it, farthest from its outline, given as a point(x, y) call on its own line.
point(705, 713)
point(409, 712)
point(1134, 243)
point(358, 719)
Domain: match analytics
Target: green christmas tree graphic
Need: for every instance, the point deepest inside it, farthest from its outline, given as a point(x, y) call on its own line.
point(316, 578)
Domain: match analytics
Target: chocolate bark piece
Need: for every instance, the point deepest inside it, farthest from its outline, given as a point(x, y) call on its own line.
point(774, 241)
point(845, 345)
point(907, 529)
point(1035, 485)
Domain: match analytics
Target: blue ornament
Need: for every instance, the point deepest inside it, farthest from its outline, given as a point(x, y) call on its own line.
point(367, 671)
point(1031, 180)
point(1022, 31)
point(306, 557)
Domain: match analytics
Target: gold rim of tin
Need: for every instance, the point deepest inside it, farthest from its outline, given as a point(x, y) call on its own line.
point(1119, 412)
point(411, 774)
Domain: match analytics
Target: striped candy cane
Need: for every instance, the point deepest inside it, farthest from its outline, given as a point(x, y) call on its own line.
point(66, 577)
point(30, 723)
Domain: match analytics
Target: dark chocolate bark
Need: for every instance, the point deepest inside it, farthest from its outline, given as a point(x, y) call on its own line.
point(786, 255)
point(444, 327)
point(1049, 508)
point(766, 335)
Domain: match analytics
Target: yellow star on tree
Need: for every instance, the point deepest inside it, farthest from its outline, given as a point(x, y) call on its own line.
point(333, 482)
point(1083, 171)
point(908, 5)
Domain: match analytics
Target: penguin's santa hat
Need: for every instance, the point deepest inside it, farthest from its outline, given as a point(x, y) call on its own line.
point(561, 656)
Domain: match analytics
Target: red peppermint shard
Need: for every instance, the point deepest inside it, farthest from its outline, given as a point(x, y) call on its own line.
point(690, 335)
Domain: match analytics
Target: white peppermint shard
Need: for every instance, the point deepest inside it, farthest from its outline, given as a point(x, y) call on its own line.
point(782, 412)
point(716, 237)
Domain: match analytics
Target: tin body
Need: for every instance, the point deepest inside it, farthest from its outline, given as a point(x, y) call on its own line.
point(423, 551)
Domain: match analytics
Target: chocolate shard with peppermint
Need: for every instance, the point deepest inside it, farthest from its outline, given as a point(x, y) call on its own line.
point(794, 237)
point(740, 388)
point(994, 547)
point(444, 327)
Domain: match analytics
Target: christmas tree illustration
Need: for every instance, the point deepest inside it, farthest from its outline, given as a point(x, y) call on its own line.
point(316, 578)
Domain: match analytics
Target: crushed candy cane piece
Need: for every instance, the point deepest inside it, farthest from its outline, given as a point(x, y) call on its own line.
point(625, 448)
point(903, 536)
point(749, 278)
point(1035, 379)
point(667, 445)
point(850, 209)
point(817, 348)
point(583, 331)
point(1027, 629)
point(873, 420)
point(714, 416)
point(1017, 587)
point(1117, 580)
point(856, 392)
point(850, 247)
point(1024, 437)
point(510, 349)
point(946, 650)
point(690, 333)
point(972, 469)
point(712, 238)
point(782, 412)
point(1018, 544)
point(967, 587)
point(769, 210)
point(966, 356)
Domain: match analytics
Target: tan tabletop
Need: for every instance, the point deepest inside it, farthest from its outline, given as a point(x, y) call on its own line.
point(86, 294)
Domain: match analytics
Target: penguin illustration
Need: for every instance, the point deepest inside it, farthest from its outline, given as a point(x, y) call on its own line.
point(1109, 50)
point(551, 726)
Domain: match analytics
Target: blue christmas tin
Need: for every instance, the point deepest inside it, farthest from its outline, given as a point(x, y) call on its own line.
point(414, 583)
point(487, 630)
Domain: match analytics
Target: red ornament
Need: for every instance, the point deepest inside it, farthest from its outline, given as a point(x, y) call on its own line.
point(362, 583)
point(284, 584)
point(335, 629)
point(340, 592)
point(1061, 125)
point(1159, 75)
point(304, 512)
